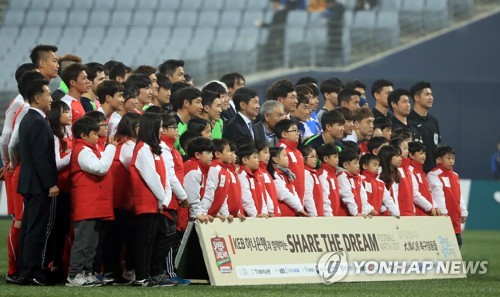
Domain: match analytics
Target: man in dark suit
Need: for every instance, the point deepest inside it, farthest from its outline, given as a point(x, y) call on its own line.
point(247, 105)
point(37, 182)
point(270, 113)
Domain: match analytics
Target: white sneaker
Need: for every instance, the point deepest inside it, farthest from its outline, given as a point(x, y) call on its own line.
point(80, 280)
point(129, 275)
point(93, 279)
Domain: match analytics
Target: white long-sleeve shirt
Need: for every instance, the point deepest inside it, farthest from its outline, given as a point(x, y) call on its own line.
point(325, 186)
point(437, 192)
point(346, 195)
point(61, 163)
point(285, 196)
point(175, 184)
point(193, 182)
point(388, 202)
point(114, 120)
point(8, 126)
point(213, 182)
point(246, 196)
point(14, 138)
point(309, 204)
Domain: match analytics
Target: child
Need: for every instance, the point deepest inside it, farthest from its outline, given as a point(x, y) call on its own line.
point(200, 152)
point(253, 195)
point(332, 123)
point(288, 134)
point(378, 196)
point(196, 127)
point(272, 196)
point(151, 193)
point(103, 128)
point(91, 202)
point(328, 154)
point(288, 201)
point(313, 194)
point(444, 184)
point(129, 105)
point(375, 143)
point(352, 193)
point(234, 204)
point(382, 127)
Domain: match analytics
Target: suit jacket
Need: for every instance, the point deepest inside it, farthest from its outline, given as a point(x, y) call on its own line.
point(260, 134)
point(236, 128)
point(228, 114)
point(38, 170)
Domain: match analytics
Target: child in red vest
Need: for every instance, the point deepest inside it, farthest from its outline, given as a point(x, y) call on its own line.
point(155, 219)
point(352, 192)
point(444, 184)
point(200, 153)
point(90, 204)
point(234, 204)
point(271, 194)
point(103, 128)
point(314, 202)
point(378, 196)
point(328, 154)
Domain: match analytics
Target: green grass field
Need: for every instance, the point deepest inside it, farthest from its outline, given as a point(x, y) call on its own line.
point(478, 245)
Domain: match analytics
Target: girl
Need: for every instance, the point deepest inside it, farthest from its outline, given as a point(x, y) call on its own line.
point(283, 179)
point(272, 196)
point(313, 193)
point(234, 203)
point(151, 195)
point(390, 162)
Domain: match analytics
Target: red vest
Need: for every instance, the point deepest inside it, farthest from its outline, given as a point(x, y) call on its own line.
point(363, 147)
point(101, 143)
point(334, 188)
point(355, 182)
point(91, 196)
point(122, 188)
point(296, 165)
point(452, 194)
point(405, 194)
point(317, 192)
point(182, 212)
point(256, 188)
point(423, 186)
point(63, 175)
point(270, 187)
point(222, 189)
point(286, 211)
point(77, 110)
point(374, 190)
point(195, 164)
point(234, 196)
point(143, 198)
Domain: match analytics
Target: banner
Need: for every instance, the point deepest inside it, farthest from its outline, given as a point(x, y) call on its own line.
point(316, 250)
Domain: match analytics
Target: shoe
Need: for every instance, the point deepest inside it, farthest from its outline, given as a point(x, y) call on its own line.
point(12, 279)
point(145, 283)
point(103, 278)
point(93, 279)
point(129, 275)
point(80, 280)
point(35, 281)
point(163, 281)
point(120, 281)
point(180, 281)
point(57, 276)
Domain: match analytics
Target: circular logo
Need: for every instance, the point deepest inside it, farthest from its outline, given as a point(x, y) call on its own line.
point(332, 267)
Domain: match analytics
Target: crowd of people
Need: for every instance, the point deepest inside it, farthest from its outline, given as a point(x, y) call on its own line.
point(103, 174)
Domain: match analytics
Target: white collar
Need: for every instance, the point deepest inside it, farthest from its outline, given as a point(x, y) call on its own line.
point(39, 111)
point(247, 120)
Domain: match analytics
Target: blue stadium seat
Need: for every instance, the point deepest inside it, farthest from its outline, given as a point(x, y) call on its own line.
point(104, 4)
point(297, 18)
point(35, 18)
point(70, 38)
point(143, 18)
point(171, 5)
point(158, 35)
point(87, 4)
point(436, 15)
point(40, 4)
point(50, 35)
point(235, 5)
point(462, 8)
point(121, 18)
point(389, 5)
point(247, 38)
point(14, 18)
point(99, 18)
point(126, 4)
point(250, 17)
point(93, 33)
point(213, 5)
point(387, 29)
point(203, 37)
point(78, 18)
point(138, 35)
point(187, 18)
point(230, 18)
point(164, 18)
point(19, 5)
point(257, 4)
point(208, 18)
point(148, 5)
point(362, 30)
point(56, 18)
point(181, 36)
point(61, 4)
point(350, 4)
point(411, 15)
point(225, 38)
point(193, 5)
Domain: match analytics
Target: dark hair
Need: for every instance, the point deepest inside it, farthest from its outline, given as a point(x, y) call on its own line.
point(346, 94)
point(245, 151)
point(72, 72)
point(378, 85)
point(331, 85)
point(178, 97)
point(306, 80)
point(261, 145)
point(129, 91)
point(197, 125)
point(93, 68)
point(395, 95)
point(108, 87)
point(118, 69)
point(282, 126)
point(362, 113)
point(154, 109)
point(396, 141)
point(39, 50)
point(350, 145)
point(273, 152)
point(314, 88)
point(326, 150)
point(347, 155)
point(167, 120)
point(199, 145)
point(401, 132)
point(443, 150)
point(139, 80)
point(169, 66)
point(230, 79)
point(188, 77)
point(185, 138)
point(302, 99)
point(149, 127)
point(417, 88)
point(232, 145)
point(366, 159)
point(389, 174)
point(84, 125)
point(145, 69)
point(215, 87)
point(96, 115)
point(163, 81)
point(348, 114)
point(25, 81)
point(355, 83)
point(219, 145)
point(111, 63)
point(34, 88)
point(208, 97)
point(375, 143)
point(23, 69)
point(244, 140)
point(179, 85)
point(243, 94)
point(382, 123)
point(306, 150)
point(303, 89)
point(332, 117)
point(280, 89)
point(54, 116)
point(126, 126)
point(416, 146)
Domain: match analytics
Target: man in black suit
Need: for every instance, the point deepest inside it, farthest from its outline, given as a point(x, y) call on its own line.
point(233, 82)
point(37, 181)
point(247, 105)
point(270, 113)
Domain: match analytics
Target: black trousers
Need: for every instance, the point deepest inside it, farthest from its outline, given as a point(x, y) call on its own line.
point(459, 239)
point(118, 238)
point(154, 236)
point(38, 216)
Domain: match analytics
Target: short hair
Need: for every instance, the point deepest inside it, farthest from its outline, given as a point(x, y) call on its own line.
point(304, 89)
point(25, 81)
point(382, 123)
point(23, 69)
point(127, 126)
point(402, 132)
point(169, 66)
point(362, 113)
point(208, 97)
point(375, 143)
point(168, 120)
point(243, 94)
point(154, 109)
point(96, 115)
point(418, 87)
point(395, 95)
point(416, 146)
point(216, 86)
point(281, 89)
point(230, 79)
point(350, 145)
point(139, 80)
point(163, 81)
point(93, 68)
point(348, 114)
point(129, 91)
point(199, 145)
point(72, 72)
point(306, 80)
point(84, 125)
point(378, 85)
point(261, 145)
point(145, 69)
point(220, 144)
point(347, 155)
point(396, 141)
point(108, 87)
point(283, 126)
point(306, 150)
point(443, 150)
point(245, 151)
point(314, 88)
point(332, 117)
point(326, 150)
point(268, 107)
point(188, 78)
point(197, 125)
point(34, 88)
point(330, 85)
point(118, 69)
point(346, 94)
point(178, 97)
point(110, 64)
point(355, 83)
point(302, 99)
point(366, 159)
point(39, 50)
point(179, 85)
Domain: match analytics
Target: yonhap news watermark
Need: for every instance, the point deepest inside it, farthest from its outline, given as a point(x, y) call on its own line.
point(334, 266)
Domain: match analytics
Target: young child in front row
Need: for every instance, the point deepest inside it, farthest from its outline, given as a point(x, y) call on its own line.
point(328, 154)
point(103, 128)
point(352, 193)
point(90, 202)
point(272, 196)
point(378, 195)
point(234, 204)
point(444, 184)
point(313, 194)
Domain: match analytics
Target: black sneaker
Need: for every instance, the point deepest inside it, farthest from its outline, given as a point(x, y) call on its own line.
point(12, 279)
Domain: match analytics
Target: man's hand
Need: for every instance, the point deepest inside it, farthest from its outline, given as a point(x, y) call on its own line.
point(54, 192)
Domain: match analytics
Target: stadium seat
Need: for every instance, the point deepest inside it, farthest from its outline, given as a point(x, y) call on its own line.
point(104, 4)
point(181, 36)
point(410, 16)
point(387, 29)
point(436, 15)
point(87, 4)
point(203, 37)
point(171, 5)
point(213, 5)
point(138, 35)
point(209, 18)
point(257, 4)
point(143, 18)
point(297, 18)
point(164, 18)
point(61, 4)
point(462, 8)
point(126, 4)
point(99, 18)
point(362, 30)
point(148, 5)
point(224, 39)
point(19, 5)
point(40, 4)
point(50, 35)
point(296, 49)
point(14, 18)
point(389, 5)
point(121, 18)
point(192, 5)
point(187, 18)
point(250, 17)
point(159, 33)
point(350, 4)
point(35, 18)
point(247, 38)
point(348, 18)
point(93, 33)
point(56, 18)
point(230, 18)
point(78, 18)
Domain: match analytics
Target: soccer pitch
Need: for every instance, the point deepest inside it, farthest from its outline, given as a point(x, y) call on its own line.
point(478, 246)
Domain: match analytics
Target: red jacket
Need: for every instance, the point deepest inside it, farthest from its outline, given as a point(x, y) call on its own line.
point(77, 110)
point(317, 192)
point(328, 175)
point(270, 188)
point(256, 187)
point(63, 182)
point(286, 211)
point(219, 190)
point(405, 190)
point(423, 186)
point(122, 188)
point(295, 164)
point(355, 187)
point(234, 204)
point(374, 189)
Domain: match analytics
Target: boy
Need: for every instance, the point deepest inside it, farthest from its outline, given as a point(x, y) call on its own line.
point(199, 151)
point(301, 114)
point(235, 207)
point(332, 123)
point(91, 202)
point(328, 154)
point(349, 98)
point(164, 91)
point(349, 120)
point(363, 128)
point(110, 94)
point(130, 93)
point(145, 95)
point(382, 127)
point(186, 104)
point(378, 195)
point(351, 190)
point(444, 184)
point(375, 143)
point(288, 134)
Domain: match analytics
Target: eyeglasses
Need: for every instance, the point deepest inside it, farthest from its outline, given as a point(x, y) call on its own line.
point(293, 131)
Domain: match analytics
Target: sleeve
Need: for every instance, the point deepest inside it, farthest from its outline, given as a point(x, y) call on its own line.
point(366, 207)
point(309, 205)
point(269, 203)
point(463, 208)
point(224, 210)
point(90, 163)
point(436, 188)
point(346, 195)
point(192, 184)
point(145, 164)
point(285, 196)
point(126, 154)
point(60, 162)
point(175, 184)
point(327, 204)
point(43, 156)
point(246, 196)
point(210, 188)
point(264, 208)
point(113, 125)
point(4, 143)
point(13, 149)
point(388, 202)
point(418, 199)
